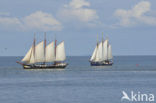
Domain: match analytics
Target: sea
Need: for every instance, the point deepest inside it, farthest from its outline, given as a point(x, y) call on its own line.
point(78, 82)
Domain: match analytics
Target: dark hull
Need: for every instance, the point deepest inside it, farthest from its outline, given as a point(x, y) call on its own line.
point(101, 63)
point(26, 66)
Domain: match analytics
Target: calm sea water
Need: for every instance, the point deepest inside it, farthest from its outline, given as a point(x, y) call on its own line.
point(79, 82)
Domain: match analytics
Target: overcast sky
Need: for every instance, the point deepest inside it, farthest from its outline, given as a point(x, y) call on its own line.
point(130, 25)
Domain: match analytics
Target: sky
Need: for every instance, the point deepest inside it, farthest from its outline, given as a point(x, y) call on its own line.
point(130, 25)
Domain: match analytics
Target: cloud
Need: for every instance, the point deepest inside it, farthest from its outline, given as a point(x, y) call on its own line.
point(136, 15)
point(79, 10)
point(6, 21)
point(36, 21)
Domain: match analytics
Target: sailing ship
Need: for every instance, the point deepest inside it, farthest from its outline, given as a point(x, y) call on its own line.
point(102, 55)
point(42, 56)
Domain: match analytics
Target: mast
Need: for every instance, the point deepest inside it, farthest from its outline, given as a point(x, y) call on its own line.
point(34, 43)
point(93, 57)
point(107, 48)
point(33, 50)
point(102, 46)
point(102, 36)
point(97, 40)
point(97, 47)
point(55, 47)
point(44, 47)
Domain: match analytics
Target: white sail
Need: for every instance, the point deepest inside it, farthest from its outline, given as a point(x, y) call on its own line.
point(50, 53)
point(105, 50)
point(60, 52)
point(98, 56)
point(94, 54)
point(110, 52)
point(39, 52)
point(99, 52)
point(32, 57)
point(27, 56)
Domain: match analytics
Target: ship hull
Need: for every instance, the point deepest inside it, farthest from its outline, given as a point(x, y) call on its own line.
point(108, 63)
point(56, 65)
point(44, 67)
